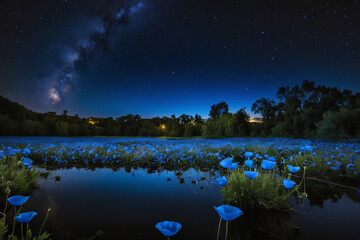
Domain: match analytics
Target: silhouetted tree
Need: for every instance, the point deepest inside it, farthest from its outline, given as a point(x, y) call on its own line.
point(267, 109)
point(218, 109)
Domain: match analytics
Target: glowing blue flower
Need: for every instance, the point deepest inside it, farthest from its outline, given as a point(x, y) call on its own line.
point(222, 181)
point(271, 159)
point(249, 163)
point(27, 161)
point(267, 165)
point(18, 200)
point(25, 217)
point(226, 163)
point(249, 155)
point(251, 174)
point(233, 166)
point(293, 169)
point(350, 165)
point(168, 228)
point(335, 168)
point(288, 183)
point(228, 213)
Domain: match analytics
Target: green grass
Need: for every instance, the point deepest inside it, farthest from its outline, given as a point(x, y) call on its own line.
point(264, 192)
point(15, 177)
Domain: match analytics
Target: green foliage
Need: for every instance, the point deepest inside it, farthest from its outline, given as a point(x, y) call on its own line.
point(342, 124)
point(16, 177)
point(149, 129)
point(264, 192)
point(223, 126)
point(3, 228)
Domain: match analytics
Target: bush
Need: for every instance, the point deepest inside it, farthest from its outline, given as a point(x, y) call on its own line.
point(266, 191)
point(16, 177)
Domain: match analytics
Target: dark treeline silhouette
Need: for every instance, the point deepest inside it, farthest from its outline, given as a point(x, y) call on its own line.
point(303, 111)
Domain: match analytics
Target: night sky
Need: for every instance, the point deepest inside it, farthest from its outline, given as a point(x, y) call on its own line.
point(161, 57)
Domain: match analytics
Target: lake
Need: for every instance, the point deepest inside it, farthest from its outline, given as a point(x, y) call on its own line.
point(127, 205)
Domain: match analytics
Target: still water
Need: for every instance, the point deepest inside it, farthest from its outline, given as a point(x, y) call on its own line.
point(127, 205)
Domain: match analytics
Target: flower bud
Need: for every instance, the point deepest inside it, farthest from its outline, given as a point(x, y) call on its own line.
point(7, 191)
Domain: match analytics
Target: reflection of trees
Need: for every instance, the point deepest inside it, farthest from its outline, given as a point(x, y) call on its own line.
point(261, 224)
point(319, 192)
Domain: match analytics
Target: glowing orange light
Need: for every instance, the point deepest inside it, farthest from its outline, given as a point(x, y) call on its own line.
point(162, 126)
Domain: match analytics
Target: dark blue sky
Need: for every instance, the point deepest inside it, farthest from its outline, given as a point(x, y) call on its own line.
point(157, 58)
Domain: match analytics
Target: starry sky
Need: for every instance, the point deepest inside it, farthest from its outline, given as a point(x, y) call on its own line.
point(156, 58)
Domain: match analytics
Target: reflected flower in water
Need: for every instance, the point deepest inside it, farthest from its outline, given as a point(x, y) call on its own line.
point(222, 181)
point(293, 169)
point(25, 217)
point(168, 228)
point(228, 213)
point(288, 183)
point(249, 163)
point(267, 165)
point(18, 200)
point(251, 174)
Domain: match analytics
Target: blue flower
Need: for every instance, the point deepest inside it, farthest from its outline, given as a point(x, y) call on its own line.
point(221, 181)
point(293, 169)
point(27, 161)
point(335, 168)
point(226, 163)
point(228, 213)
point(251, 174)
point(25, 217)
point(249, 155)
point(233, 166)
point(288, 183)
point(168, 228)
point(267, 165)
point(249, 163)
point(271, 159)
point(350, 165)
point(18, 200)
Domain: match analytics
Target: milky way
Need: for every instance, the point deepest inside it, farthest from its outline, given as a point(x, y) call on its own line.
point(112, 17)
point(163, 57)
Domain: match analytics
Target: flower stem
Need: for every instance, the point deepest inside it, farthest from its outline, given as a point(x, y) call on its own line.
point(27, 229)
point(12, 233)
point(6, 202)
point(42, 226)
point(22, 235)
point(16, 213)
point(226, 233)
point(217, 238)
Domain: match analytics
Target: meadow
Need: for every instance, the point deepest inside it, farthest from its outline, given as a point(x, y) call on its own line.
point(269, 180)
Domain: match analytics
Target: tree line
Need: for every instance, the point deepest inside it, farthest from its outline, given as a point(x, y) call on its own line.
point(301, 111)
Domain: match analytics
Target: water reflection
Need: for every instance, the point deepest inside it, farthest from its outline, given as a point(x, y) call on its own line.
point(127, 203)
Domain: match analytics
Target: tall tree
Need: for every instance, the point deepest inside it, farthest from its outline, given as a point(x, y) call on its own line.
point(218, 109)
point(266, 108)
